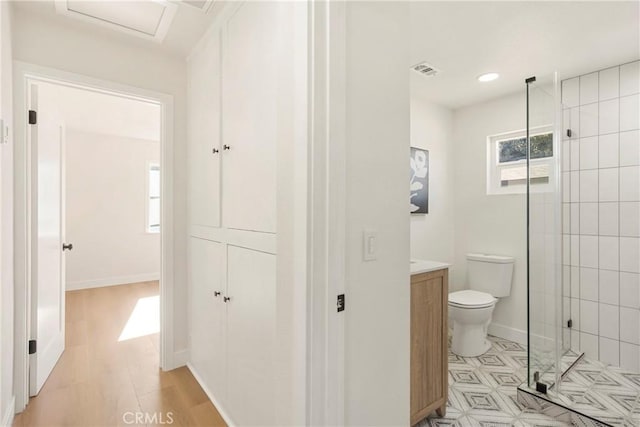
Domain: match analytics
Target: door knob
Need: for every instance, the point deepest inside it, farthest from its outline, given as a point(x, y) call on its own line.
point(67, 246)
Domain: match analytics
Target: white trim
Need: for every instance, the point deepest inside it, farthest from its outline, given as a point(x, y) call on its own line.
point(217, 403)
point(508, 333)
point(23, 72)
point(9, 413)
point(150, 165)
point(111, 281)
point(181, 358)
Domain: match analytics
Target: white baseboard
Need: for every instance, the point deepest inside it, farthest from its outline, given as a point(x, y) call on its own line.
point(223, 413)
point(180, 358)
point(508, 333)
point(111, 281)
point(7, 417)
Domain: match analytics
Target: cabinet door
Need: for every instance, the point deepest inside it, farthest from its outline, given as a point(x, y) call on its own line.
point(250, 103)
point(204, 132)
point(208, 314)
point(251, 320)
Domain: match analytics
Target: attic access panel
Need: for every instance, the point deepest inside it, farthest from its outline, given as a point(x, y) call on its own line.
point(148, 19)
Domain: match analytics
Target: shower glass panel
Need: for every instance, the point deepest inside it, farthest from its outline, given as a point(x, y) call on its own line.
point(544, 270)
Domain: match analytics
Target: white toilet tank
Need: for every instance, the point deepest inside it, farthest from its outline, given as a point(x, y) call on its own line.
point(490, 273)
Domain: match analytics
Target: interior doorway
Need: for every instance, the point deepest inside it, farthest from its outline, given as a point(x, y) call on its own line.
point(97, 202)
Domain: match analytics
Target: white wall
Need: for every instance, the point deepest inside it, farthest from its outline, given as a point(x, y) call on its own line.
point(6, 219)
point(377, 176)
point(432, 235)
point(489, 224)
point(106, 184)
point(54, 42)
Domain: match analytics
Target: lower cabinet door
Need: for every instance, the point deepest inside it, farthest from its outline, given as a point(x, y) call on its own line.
point(208, 315)
point(251, 335)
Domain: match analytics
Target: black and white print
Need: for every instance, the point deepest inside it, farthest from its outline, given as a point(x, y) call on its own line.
point(419, 181)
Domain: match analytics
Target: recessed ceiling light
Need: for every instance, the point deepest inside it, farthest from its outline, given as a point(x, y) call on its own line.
point(488, 77)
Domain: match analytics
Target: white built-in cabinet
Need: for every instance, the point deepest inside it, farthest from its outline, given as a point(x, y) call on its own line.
point(236, 109)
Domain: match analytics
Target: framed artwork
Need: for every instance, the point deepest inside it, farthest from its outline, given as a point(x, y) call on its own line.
point(419, 184)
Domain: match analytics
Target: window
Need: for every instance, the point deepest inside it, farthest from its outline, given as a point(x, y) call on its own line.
point(153, 198)
point(507, 162)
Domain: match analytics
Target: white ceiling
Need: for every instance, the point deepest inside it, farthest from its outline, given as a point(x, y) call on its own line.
point(106, 114)
point(517, 40)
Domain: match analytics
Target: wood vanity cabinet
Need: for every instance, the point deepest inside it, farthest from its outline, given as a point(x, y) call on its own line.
point(429, 344)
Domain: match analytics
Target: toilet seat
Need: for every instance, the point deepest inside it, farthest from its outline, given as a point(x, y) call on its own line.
point(471, 299)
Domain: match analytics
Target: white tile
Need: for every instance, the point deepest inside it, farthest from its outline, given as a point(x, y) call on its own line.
point(608, 257)
point(589, 317)
point(575, 340)
point(566, 310)
point(609, 351)
point(630, 184)
point(630, 254)
point(589, 345)
point(629, 357)
point(566, 155)
point(571, 92)
point(566, 280)
point(566, 337)
point(566, 187)
point(575, 250)
point(588, 218)
point(589, 284)
point(609, 83)
point(608, 116)
point(588, 152)
point(575, 218)
point(630, 148)
point(575, 185)
point(630, 325)
point(609, 288)
point(574, 116)
point(566, 217)
point(575, 154)
point(608, 151)
point(588, 88)
point(630, 219)
point(608, 185)
point(575, 282)
point(588, 120)
point(630, 290)
point(588, 251)
point(566, 249)
point(630, 78)
point(587, 190)
point(609, 321)
point(629, 113)
point(608, 219)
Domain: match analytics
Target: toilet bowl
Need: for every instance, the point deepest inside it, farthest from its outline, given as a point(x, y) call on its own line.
point(470, 313)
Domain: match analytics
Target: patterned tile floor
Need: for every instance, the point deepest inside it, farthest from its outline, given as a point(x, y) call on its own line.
point(482, 390)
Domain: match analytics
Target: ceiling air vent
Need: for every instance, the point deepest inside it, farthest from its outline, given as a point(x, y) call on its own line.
point(425, 69)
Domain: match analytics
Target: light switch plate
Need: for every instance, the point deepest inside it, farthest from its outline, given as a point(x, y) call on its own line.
point(369, 245)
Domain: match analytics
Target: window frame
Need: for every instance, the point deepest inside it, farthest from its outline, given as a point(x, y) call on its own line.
point(494, 166)
point(149, 228)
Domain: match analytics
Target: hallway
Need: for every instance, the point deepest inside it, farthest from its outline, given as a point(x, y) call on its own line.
point(109, 373)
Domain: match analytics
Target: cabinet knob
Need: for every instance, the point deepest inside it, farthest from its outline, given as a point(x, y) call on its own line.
point(227, 299)
point(226, 147)
point(215, 151)
point(217, 293)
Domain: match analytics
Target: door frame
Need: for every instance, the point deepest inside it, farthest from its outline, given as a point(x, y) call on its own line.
point(25, 74)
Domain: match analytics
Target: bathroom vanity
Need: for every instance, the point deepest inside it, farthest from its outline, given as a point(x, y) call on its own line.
point(429, 341)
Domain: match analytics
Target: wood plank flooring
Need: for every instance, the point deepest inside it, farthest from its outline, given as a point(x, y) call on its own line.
point(100, 381)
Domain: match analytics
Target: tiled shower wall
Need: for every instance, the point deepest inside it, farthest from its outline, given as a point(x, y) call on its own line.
point(601, 214)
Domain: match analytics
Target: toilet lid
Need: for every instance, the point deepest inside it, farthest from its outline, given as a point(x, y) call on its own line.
point(471, 298)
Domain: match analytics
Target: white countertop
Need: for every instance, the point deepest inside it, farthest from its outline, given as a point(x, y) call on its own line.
point(423, 266)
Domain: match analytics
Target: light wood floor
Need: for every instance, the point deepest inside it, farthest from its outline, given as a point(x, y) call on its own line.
point(98, 379)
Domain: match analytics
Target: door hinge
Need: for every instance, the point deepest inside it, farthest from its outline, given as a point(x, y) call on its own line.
point(32, 346)
point(33, 117)
point(340, 304)
point(569, 323)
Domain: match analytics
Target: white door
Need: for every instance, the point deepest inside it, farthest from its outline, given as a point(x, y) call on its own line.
point(47, 284)
point(208, 314)
point(250, 109)
point(251, 336)
point(204, 130)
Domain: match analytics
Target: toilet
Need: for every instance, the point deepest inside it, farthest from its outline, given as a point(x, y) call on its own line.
point(488, 278)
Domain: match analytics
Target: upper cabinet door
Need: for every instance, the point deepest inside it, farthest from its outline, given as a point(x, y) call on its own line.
point(250, 97)
point(204, 132)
